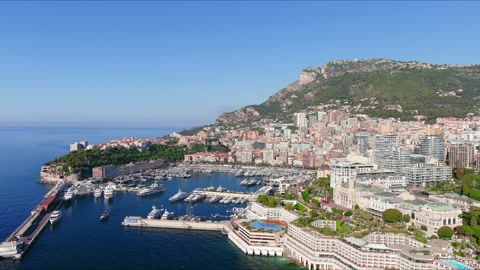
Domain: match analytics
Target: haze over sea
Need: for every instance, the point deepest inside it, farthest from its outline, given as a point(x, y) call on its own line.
point(81, 241)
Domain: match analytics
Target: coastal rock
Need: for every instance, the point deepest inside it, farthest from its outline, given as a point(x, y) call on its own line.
point(243, 116)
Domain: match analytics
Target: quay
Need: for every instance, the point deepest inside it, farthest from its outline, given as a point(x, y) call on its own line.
point(248, 196)
point(136, 221)
point(23, 237)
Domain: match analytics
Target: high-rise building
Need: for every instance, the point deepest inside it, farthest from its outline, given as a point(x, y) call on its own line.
point(461, 155)
point(433, 146)
point(384, 146)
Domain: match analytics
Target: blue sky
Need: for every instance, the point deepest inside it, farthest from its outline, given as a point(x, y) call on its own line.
point(184, 63)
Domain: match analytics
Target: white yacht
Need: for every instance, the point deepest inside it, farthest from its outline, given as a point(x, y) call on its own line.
point(108, 192)
point(215, 199)
point(97, 192)
point(221, 189)
point(180, 195)
point(155, 213)
point(55, 216)
point(9, 249)
point(69, 194)
point(167, 215)
point(152, 189)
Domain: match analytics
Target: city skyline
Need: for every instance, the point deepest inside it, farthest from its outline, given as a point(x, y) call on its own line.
point(184, 63)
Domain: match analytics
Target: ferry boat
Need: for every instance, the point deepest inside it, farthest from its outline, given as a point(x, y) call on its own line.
point(55, 216)
point(152, 189)
point(97, 192)
point(167, 215)
point(155, 213)
point(108, 192)
point(105, 215)
point(180, 195)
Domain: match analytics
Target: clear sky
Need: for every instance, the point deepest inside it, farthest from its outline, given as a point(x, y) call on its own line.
point(126, 63)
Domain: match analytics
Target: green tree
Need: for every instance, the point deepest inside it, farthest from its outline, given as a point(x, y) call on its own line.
point(406, 218)
point(357, 207)
point(460, 229)
point(348, 213)
point(391, 215)
point(473, 221)
point(445, 232)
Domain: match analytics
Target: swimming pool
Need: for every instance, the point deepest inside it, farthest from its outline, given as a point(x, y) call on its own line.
point(267, 225)
point(457, 265)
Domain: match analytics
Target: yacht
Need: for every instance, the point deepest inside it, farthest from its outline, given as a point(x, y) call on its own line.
point(221, 189)
point(215, 199)
point(155, 213)
point(108, 192)
point(152, 189)
point(55, 216)
point(9, 249)
point(69, 194)
point(190, 197)
point(167, 215)
point(180, 195)
point(105, 215)
point(97, 192)
point(198, 197)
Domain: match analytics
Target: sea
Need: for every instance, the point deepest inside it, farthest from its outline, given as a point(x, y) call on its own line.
point(81, 241)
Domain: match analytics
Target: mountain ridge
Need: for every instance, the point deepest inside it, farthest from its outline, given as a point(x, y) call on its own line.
point(376, 87)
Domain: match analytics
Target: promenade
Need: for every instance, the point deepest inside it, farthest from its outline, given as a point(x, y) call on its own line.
point(135, 221)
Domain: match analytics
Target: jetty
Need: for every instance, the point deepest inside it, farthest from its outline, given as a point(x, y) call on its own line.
point(136, 221)
point(22, 238)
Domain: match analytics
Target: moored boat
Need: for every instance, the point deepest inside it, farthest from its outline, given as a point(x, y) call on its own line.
point(97, 193)
point(155, 213)
point(55, 216)
point(152, 189)
point(108, 192)
point(180, 195)
point(167, 215)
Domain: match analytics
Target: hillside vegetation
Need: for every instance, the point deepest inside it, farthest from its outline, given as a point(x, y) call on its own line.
point(376, 87)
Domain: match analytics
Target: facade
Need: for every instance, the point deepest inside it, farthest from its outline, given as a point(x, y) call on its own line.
point(461, 155)
point(433, 146)
point(78, 146)
point(423, 174)
point(384, 146)
point(316, 251)
point(431, 216)
point(342, 172)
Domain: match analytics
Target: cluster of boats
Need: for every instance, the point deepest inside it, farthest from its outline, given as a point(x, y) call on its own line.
point(250, 182)
point(234, 200)
point(195, 197)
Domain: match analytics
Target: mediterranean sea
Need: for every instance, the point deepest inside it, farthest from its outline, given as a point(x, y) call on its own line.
point(81, 241)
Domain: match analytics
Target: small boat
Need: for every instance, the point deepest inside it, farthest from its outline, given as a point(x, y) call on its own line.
point(55, 216)
point(105, 215)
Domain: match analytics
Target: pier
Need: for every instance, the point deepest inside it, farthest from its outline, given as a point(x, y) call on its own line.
point(135, 221)
point(22, 238)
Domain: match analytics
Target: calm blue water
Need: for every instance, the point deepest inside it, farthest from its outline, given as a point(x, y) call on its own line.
point(80, 241)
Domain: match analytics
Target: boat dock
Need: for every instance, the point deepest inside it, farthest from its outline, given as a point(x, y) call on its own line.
point(22, 238)
point(135, 221)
